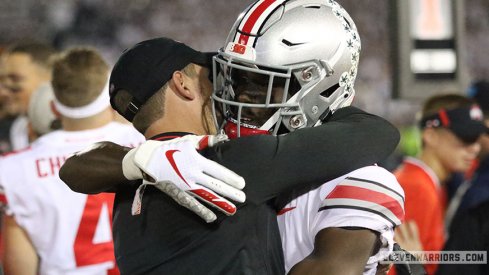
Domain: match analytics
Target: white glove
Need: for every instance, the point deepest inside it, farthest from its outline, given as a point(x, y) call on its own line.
point(176, 168)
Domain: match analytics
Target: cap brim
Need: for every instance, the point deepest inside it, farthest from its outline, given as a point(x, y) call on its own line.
point(470, 131)
point(205, 59)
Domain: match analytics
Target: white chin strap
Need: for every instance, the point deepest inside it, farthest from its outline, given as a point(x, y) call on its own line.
point(93, 108)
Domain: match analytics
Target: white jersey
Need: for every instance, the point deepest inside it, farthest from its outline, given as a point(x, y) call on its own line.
point(71, 232)
point(369, 197)
point(19, 133)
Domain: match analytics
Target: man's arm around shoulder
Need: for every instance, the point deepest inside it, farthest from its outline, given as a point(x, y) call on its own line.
point(97, 169)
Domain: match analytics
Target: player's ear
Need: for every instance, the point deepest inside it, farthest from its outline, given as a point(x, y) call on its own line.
point(182, 85)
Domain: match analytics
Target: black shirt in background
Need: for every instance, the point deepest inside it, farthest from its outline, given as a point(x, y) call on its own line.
point(469, 232)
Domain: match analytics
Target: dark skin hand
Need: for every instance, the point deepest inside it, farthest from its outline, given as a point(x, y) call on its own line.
point(339, 251)
point(351, 139)
point(105, 160)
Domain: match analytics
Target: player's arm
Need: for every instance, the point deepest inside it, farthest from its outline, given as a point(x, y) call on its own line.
point(309, 157)
point(351, 139)
point(174, 167)
point(19, 255)
point(97, 169)
point(357, 216)
point(338, 251)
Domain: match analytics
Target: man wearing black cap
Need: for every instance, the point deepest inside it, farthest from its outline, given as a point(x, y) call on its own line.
point(168, 239)
point(450, 127)
point(479, 186)
point(468, 229)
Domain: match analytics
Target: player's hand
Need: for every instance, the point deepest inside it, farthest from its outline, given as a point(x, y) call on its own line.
point(407, 236)
point(383, 269)
point(176, 168)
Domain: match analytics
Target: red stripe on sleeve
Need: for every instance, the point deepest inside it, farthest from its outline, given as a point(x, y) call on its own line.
point(359, 193)
point(3, 199)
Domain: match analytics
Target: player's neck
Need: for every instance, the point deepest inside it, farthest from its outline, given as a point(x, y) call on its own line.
point(435, 164)
point(174, 124)
point(93, 122)
point(161, 127)
point(180, 115)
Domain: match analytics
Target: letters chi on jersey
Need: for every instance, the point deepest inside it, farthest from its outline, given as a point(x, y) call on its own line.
point(369, 197)
point(71, 232)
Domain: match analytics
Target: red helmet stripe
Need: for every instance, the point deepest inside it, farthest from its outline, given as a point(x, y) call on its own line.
point(243, 39)
point(249, 22)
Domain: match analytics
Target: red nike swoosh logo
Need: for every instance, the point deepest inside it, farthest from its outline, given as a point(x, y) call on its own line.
point(169, 156)
point(203, 194)
point(285, 210)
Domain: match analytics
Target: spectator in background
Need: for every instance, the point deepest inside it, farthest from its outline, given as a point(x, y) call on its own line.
point(475, 189)
point(8, 110)
point(469, 230)
point(450, 127)
point(6, 119)
point(7, 106)
point(48, 228)
point(26, 67)
point(478, 191)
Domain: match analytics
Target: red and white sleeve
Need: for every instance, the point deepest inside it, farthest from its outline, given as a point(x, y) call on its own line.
point(370, 198)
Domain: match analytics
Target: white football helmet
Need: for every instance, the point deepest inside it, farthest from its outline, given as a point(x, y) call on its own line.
point(287, 64)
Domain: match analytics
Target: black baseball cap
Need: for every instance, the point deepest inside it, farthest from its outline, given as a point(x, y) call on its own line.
point(465, 122)
point(479, 91)
point(143, 69)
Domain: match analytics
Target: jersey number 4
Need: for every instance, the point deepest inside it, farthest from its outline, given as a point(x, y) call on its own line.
point(86, 251)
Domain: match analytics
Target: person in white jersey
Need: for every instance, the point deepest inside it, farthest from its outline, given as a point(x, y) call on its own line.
point(288, 65)
point(50, 229)
point(367, 198)
point(350, 217)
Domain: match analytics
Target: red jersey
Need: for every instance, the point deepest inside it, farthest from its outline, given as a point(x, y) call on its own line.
point(424, 204)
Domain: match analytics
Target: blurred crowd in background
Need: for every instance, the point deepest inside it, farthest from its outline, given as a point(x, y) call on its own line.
point(113, 25)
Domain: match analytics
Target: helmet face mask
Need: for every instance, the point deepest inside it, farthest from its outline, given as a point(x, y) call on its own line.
point(253, 97)
point(292, 68)
point(253, 88)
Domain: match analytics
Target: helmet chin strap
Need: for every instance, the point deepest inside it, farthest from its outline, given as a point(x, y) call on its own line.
point(231, 129)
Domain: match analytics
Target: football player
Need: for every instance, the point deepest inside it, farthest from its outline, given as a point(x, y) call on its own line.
point(303, 82)
point(289, 65)
point(48, 228)
point(162, 237)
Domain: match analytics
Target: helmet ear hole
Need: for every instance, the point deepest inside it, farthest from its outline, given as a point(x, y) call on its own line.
point(330, 90)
